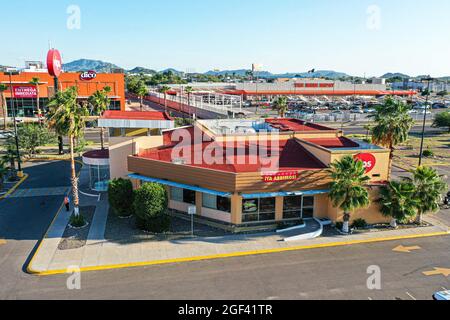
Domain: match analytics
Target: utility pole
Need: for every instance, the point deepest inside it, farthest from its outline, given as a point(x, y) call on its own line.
point(19, 161)
point(429, 79)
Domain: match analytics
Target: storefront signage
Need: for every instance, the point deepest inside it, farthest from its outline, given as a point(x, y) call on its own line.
point(25, 92)
point(88, 75)
point(54, 63)
point(368, 159)
point(280, 177)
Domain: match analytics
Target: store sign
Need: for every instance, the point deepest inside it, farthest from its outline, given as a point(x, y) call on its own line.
point(54, 63)
point(280, 177)
point(368, 160)
point(25, 92)
point(88, 75)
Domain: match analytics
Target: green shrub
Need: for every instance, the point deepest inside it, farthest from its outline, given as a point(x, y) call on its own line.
point(359, 224)
point(150, 206)
point(428, 153)
point(77, 221)
point(120, 194)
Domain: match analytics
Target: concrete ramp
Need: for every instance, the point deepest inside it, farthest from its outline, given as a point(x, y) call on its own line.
point(313, 229)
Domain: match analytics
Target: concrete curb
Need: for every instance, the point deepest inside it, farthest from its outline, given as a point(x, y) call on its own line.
point(14, 188)
point(234, 254)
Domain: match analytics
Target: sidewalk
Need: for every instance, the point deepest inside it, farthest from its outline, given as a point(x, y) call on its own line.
point(99, 254)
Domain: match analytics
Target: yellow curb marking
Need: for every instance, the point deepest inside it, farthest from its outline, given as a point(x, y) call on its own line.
point(404, 249)
point(2, 241)
point(438, 271)
point(14, 188)
point(231, 255)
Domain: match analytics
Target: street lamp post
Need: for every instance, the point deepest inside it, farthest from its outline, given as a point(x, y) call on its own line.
point(424, 120)
point(10, 73)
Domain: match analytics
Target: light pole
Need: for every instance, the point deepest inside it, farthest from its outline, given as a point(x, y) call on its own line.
point(10, 73)
point(429, 79)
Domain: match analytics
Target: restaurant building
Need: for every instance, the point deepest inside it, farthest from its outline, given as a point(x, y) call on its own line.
point(25, 94)
point(249, 173)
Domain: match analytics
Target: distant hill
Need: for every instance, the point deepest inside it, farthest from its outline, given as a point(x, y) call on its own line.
point(395, 75)
point(266, 74)
point(143, 70)
point(86, 64)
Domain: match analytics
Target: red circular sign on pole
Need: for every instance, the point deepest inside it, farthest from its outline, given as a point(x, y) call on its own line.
point(368, 160)
point(54, 63)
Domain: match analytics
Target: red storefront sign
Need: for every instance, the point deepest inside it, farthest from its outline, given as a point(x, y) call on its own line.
point(368, 159)
point(54, 63)
point(88, 75)
point(280, 177)
point(25, 92)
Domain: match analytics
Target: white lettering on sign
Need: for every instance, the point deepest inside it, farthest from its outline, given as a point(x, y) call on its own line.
point(88, 75)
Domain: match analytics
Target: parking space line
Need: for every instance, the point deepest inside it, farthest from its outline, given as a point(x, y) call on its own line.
point(411, 296)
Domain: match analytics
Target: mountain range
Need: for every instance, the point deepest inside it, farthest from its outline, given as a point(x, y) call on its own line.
point(101, 66)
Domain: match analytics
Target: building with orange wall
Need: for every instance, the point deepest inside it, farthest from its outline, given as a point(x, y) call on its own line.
point(25, 101)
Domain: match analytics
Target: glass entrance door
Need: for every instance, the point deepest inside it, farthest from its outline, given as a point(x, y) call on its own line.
point(298, 207)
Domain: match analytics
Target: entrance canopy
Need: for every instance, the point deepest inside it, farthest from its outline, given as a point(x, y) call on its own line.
point(284, 194)
point(180, 185)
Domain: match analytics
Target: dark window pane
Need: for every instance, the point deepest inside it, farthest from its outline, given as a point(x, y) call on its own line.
point(189, 196)
point(267, 216)
point(308, 213)
point(308, 202)
point(291, 215)
point(224, 204)
point(267, 205)
point(292, 203)
point(250, 218)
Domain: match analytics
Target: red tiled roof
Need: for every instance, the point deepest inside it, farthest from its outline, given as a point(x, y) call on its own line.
point(136, 115)
point(296, 125)
point(331, 143)
point(291, 156)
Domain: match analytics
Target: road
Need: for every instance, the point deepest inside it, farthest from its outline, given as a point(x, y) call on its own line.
point(332, 273)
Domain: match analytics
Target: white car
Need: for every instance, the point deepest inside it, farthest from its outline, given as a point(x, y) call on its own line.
point(6, 134)
point(442, 296)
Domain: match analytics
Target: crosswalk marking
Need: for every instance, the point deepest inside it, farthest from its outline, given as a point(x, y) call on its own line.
point(40, 192)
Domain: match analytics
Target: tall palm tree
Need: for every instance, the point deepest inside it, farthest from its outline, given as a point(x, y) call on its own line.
point(398, 201)
point(392, 126)
point(67, 117)
point(141, 91)
point(429, 186)
point(164, 90)
point(189, 91)
point(3, 88)
point(99, 102)
point(281, 106)
point(348, 187)
point(35, 82)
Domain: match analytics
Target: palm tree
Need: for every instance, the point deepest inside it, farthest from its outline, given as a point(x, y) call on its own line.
point(189, 91)
point(392, 126)
point(35, 81)
point(429, 186)
point(3, 173)
point(398, 201)
point(99, 103)
point(164, 90)
point(141, 91)
point(3, 88)
point(281, 106)
point(67, 117)
point(348, 187)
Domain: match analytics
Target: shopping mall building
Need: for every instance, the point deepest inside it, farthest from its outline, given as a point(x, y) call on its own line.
point(242, 172)
point(25, 94)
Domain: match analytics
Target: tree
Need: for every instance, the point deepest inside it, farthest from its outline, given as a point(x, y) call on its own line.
point(99, 103)
point(67, 117)
point(429, 186)
point(10, 155)
point(442, 120)
point(120, 196)
point(149, 206)
point(281, 106)
point(164, 90)
point(32, 136)
point(3, 88)
point(36, 81)
point(348, 187)
point(3, 173)
point(392, 126)
point(189, 91)
point(398, 201)
point(141, 91)
point(442, 93)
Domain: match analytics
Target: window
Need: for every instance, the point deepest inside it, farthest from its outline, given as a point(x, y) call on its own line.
point(188, 196)
point(294, 209)
point(257, 210)
point(216, 203)
point(176, 194)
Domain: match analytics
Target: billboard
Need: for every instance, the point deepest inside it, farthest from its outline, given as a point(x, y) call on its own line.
point(28, 92)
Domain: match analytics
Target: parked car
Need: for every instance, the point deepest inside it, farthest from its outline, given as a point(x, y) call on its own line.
point(442, 296)
point(357, 110)
point(6, 134)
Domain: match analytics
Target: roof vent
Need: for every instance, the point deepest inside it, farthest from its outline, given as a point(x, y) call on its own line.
point(179, 161)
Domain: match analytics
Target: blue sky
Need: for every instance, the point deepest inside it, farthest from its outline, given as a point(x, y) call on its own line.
point(354, 36)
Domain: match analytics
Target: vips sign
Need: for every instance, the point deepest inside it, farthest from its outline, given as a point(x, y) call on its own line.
point(280, 177)
point(54, 63)
point(29, 92)
point(368, 159)
point(88, 75)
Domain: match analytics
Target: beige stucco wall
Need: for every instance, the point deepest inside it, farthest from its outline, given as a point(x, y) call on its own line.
point(121, 147)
